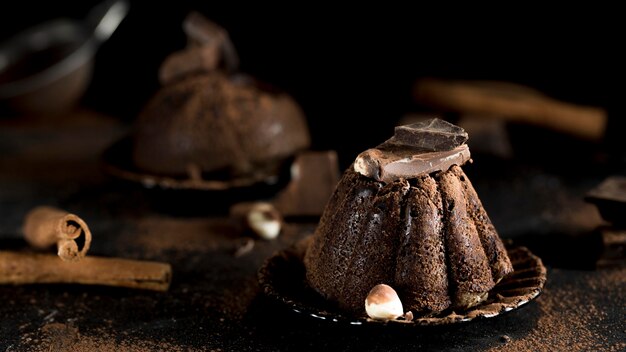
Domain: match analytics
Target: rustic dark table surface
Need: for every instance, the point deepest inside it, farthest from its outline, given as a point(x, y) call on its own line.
point(214, 302)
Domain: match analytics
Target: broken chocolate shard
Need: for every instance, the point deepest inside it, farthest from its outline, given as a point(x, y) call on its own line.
point(314, 175)
point(209, 48)
point(193, 60)
point(610, 199)
point(388, 163)
point(432, 135)
point(201, 31)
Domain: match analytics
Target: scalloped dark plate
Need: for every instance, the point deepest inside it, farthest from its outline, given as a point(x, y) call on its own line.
point(282, 277)
point(117, 162)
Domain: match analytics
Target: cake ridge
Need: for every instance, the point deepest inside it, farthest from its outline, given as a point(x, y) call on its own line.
point(422, 253)
point(492, 245)
point(469, 267)
point(346, 186)
point(383, 221)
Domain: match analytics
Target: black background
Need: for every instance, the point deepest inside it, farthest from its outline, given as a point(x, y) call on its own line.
point(352, 68)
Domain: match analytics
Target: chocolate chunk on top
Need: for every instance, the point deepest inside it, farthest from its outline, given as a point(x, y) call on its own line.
point(416, 149)
point(390, 164)
point(432, 135)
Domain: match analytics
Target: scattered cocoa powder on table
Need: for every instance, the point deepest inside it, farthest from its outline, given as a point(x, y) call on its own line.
point(569, 322)
point(68, 338)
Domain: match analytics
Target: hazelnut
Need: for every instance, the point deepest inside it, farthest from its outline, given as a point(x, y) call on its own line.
point(367, 165)
point(383, 303)
point(264, 220)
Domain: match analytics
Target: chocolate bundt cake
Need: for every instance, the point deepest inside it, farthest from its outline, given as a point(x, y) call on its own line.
point(209, 120)
point(216, 123)
point(406, 215)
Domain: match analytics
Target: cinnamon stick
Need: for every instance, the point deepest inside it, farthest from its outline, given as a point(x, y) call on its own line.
point(45, 226)
point(512, 102)
point(29, 268)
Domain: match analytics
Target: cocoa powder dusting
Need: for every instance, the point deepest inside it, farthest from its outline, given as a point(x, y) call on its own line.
point(67, 338)
point(568, 322)
point(157, 234)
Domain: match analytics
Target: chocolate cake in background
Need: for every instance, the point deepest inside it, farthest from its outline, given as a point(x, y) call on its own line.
point(406, 215)
point(208, 119)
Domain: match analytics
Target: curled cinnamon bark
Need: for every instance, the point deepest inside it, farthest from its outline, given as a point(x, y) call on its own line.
point(45, 226)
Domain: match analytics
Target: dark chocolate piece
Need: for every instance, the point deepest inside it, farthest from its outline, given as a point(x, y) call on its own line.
point(201, 31)
point(314, 176)
point(388, 163)
point(208, 47)
point(613, 248)
point(430, 135)
point(610, 199)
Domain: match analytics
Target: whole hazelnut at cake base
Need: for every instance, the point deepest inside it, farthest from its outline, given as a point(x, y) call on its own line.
point(404, 214)
point(207, 118)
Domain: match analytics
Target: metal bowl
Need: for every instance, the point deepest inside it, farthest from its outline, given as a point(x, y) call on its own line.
point(47, 68)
